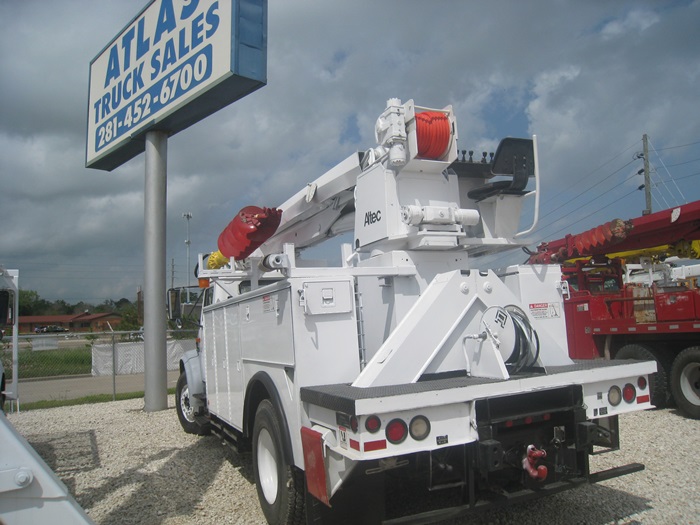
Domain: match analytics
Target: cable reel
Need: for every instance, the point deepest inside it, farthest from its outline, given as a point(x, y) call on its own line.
point(512, 335)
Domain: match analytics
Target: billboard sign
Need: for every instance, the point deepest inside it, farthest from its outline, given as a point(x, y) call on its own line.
point(177, 62)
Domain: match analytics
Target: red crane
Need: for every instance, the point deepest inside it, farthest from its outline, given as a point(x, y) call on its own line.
point(675, 226)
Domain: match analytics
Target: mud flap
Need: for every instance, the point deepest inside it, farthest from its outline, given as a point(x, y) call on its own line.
point(314, 465)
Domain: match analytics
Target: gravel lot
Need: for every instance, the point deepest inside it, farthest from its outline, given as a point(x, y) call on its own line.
point(126, 466)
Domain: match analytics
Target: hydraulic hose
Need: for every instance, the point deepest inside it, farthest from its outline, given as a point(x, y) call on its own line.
point(433, 133)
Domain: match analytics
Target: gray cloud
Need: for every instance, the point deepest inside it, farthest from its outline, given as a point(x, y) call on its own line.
point(589, 78)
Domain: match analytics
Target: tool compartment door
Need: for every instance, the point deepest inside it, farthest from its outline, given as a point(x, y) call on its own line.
point(266, 329)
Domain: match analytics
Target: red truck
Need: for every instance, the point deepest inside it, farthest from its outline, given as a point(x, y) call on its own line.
point(609, 315)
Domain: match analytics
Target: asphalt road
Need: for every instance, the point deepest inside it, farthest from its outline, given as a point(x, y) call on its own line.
point(74, 387)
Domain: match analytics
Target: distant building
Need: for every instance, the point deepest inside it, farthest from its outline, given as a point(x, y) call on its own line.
point(82, 322)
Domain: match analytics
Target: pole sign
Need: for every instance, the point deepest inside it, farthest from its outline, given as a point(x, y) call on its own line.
point(176, 63)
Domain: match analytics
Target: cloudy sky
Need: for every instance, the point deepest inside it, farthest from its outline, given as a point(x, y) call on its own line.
point(588, 77)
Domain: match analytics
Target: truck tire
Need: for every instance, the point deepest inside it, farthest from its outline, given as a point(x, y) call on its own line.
point(685, 381)
point(185, 412)
point(280, 486)
point(658, 382)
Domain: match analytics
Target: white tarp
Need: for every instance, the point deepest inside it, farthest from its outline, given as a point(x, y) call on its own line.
point(130, 356)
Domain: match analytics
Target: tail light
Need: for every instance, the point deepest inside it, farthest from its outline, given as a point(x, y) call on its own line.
point(373, 424)
point(614, 395)
point(629, 393)
point(419, 428)
point(642, 383)
point(396, 431)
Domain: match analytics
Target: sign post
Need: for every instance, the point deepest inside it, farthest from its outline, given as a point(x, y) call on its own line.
point(154, 327)
point(177, 62)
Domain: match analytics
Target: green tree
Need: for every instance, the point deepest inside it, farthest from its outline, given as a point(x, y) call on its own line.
point(130, 319)
point(107, 306)
point(60, 307)
point(30, 303)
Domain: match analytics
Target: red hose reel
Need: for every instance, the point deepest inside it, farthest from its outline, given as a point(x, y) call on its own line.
point(433, 131)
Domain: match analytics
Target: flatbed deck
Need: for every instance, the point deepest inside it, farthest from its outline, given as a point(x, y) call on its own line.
point(358, 401)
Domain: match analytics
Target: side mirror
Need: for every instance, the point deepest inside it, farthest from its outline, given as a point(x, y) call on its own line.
point(174, 304)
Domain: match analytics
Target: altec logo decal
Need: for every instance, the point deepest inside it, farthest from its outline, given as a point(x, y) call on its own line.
point(372, 217)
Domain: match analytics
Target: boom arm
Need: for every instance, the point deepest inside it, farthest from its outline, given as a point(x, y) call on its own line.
point(673, 227)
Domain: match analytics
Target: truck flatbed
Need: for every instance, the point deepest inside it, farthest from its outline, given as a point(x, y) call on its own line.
point(361, 401)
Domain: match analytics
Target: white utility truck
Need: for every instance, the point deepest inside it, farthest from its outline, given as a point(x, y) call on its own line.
point(402, 385)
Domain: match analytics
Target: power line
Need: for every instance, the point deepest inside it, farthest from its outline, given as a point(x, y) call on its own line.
point(594, 212)
point(679, 146)
point(570, 211)
point(669, 174)
point(586, 177)
point(681, 163)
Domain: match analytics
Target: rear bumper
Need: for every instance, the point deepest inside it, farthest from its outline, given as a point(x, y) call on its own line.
point(506, 499)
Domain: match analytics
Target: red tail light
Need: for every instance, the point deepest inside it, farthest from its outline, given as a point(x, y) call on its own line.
point(642, 383)
point(396, 431)
point(629, 393)
point(373, 424)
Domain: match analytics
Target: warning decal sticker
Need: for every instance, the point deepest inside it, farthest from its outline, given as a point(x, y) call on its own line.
point(545, 310)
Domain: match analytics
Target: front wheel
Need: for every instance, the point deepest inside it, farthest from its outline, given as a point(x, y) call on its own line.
point(685, 381)
point(185, 411)
point(280, 486)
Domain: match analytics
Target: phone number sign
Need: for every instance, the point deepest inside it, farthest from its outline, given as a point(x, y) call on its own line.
point(176, 63)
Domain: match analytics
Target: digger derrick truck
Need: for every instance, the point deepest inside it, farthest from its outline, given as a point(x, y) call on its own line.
point(399, 386)
point(618, 308)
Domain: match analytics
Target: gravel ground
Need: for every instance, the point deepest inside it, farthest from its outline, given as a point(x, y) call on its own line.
point(126, 466)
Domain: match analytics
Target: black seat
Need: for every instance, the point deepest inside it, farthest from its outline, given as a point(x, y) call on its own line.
point(514, 157)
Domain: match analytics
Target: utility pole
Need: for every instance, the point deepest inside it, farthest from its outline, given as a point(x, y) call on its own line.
point(647, 178)
point(172, 272)
point(188, 216)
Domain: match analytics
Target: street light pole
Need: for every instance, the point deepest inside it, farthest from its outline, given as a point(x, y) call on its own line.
point(188, 216)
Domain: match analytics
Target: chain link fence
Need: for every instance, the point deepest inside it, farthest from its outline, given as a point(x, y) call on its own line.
point(66, 366)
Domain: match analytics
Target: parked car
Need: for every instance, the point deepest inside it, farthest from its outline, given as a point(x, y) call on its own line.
point(49, 329)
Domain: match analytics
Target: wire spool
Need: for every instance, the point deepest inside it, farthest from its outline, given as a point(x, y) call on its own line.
point(512, 335)
point(433, 133)
point(527, 347)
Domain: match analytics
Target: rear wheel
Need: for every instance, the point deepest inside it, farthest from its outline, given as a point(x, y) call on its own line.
point(185, 411)
point(280, 486)
point(685, 381)
point(658, 382)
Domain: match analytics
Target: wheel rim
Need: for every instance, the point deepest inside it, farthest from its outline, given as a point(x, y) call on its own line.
point(267, 466)
point(690, 383)
point(185, 406)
